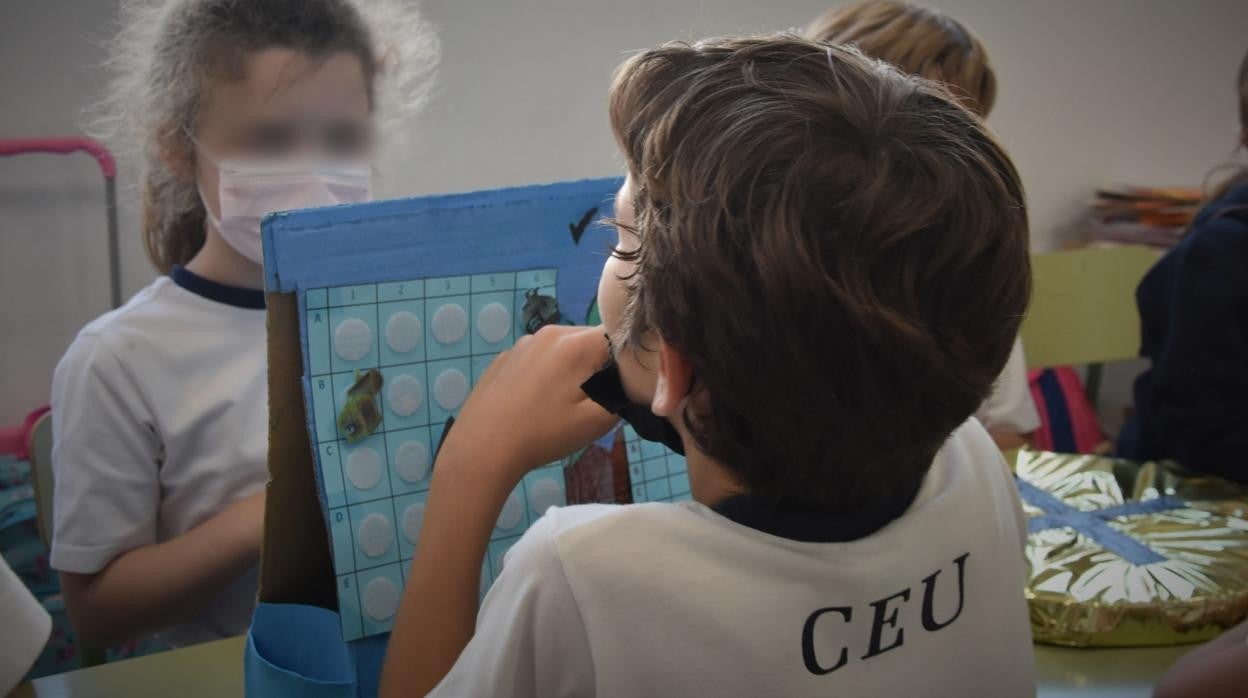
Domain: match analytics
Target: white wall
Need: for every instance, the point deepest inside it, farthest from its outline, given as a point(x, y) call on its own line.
point(1092, 92)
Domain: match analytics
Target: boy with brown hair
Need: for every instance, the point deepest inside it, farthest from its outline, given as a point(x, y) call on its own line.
point(822, 264)
point(926, 42)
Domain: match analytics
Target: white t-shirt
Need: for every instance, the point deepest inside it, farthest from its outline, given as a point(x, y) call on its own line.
point(1010, 407)
point(676, 600)
point(160, 419)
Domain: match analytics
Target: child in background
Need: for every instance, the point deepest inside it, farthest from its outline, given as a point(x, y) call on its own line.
point(926, 42)
point(821, 268)
point(1191, 405)
point(160, 407)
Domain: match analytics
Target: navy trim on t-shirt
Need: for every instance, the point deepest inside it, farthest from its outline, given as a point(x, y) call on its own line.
point(236, 296)
point(816, 525)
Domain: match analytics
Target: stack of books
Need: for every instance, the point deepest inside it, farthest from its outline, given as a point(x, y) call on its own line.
point(1155, 216)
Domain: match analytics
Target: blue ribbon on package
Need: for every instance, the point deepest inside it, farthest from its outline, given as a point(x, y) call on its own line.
point(1094, 524)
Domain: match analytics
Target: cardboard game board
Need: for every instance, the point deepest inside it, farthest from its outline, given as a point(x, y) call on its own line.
point(402, 306)
point(381, 317)
point(424, 343)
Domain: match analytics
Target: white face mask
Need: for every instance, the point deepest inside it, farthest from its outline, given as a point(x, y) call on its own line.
point(250, 190)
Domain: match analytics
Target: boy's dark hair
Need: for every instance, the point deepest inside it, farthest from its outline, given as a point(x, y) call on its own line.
point(838, 249)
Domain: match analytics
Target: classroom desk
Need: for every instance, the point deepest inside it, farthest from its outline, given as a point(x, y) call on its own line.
point(210, 670)
point(216, 670)
point(1064, 672)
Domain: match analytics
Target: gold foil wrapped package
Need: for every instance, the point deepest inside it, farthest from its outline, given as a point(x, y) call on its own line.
point(1125, 554)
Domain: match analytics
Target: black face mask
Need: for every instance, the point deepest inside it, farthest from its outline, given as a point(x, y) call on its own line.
point(607, 389)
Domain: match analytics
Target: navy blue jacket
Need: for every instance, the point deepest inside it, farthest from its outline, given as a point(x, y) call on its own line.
point(1192, 403)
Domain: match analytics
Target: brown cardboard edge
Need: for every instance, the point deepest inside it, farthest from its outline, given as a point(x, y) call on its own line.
point(295, 564)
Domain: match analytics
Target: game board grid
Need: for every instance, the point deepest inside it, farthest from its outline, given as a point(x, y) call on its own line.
point(471, 357)
point(657, 474)
point(529, 517)
point(500, 541)
point(355, 624)
point(434, 427)
point(516, 310)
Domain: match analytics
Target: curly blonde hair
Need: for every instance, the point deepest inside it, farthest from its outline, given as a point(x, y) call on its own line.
point(166, 53)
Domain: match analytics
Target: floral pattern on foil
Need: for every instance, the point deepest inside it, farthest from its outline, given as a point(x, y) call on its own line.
point(1082, 594)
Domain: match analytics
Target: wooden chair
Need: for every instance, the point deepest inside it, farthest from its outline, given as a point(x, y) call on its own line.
point(39, 447)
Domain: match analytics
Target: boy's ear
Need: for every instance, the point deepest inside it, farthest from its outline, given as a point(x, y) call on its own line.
point(672, 385)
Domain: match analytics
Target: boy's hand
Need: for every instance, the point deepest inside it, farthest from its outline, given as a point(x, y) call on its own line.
point(528, 409)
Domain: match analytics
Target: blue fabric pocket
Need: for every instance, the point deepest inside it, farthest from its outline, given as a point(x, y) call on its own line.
point(295, 650)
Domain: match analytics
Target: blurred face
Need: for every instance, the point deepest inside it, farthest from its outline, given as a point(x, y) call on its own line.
point(287, 105)
point(637, 366)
